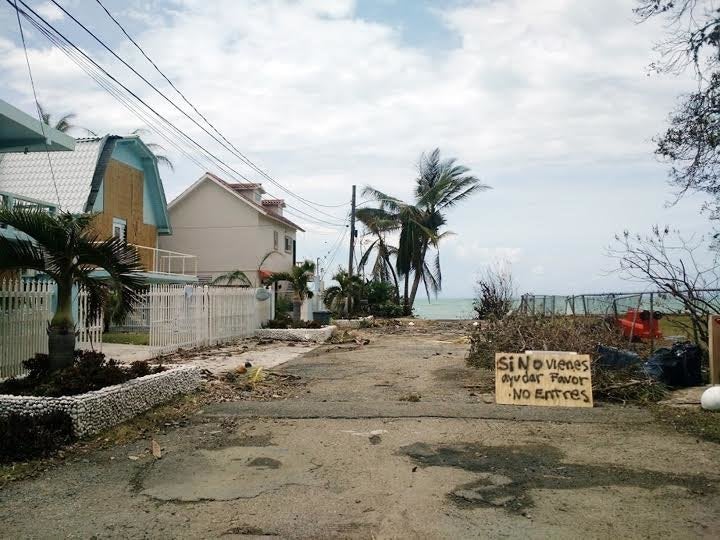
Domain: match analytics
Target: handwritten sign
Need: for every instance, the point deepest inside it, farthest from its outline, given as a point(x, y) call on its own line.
point(543, 378)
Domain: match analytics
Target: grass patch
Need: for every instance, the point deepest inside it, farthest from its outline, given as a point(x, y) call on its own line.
point(127, 338)
point(693, 421)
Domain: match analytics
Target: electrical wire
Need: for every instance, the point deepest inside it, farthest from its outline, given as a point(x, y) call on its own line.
point(159, 122)
point(223, 141)
point(37, 106)
point(186, 100)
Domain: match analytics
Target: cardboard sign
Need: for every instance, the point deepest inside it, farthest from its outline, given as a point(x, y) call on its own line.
point(551, 379)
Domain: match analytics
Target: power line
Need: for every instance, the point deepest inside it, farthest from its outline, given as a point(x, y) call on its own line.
point(88, 65)
point(224, 142)
point(37, 105)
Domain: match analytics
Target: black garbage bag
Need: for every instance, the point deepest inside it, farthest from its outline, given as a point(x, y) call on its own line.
point(678, 366)
point(614, 358)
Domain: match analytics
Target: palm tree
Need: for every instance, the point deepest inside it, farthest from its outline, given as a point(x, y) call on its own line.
point(298, 277)
point(68, 250)
point(378, 223)
point(440, 185)
point(348, 288)
point(64, 123)
point(157, 149)
point(231, 278)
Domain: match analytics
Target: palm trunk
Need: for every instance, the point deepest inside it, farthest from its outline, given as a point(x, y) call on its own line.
point(61, 331)
point(297, 309)
point(406, 309)
point(418, 276)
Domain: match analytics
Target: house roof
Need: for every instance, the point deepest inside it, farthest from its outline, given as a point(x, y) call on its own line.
point(20, 132)
point(31, 175)
point(246, 187)
point(274, 202)
point(77, 175)
point(208, 176)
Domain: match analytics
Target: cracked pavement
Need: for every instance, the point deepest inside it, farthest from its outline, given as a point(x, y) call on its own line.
point(346, 458)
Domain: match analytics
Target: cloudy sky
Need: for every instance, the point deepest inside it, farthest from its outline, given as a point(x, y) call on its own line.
point(550, 103)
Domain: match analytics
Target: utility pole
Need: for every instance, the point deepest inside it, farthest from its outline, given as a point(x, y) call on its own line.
point(352, 243)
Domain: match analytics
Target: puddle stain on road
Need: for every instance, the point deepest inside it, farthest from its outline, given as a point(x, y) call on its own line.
point(508, 473)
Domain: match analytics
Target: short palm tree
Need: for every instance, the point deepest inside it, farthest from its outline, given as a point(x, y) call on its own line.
point(348, 288)
point(378, 223)
point(298, 277)
point(440, 185)
point(234, 277)
point(67, 249)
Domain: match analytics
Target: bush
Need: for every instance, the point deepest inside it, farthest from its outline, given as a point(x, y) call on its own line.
point(388, 310)
point(89, 371)
point(494, 293)
point(284, 322)
point(283, 304)
point(519, 333)
point(26, 437)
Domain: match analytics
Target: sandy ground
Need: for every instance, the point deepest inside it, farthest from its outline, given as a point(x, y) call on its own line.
point(347, 456)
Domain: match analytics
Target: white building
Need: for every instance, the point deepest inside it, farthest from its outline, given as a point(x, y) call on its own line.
point(231, 227)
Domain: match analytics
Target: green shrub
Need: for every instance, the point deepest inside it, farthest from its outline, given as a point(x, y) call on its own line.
point(25, 437)
point(89, 371)
point(284, 322)
point(283, 305)
point(387, 310)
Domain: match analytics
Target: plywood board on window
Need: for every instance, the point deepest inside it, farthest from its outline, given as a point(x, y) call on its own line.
point(123, 197)
point(543, 379)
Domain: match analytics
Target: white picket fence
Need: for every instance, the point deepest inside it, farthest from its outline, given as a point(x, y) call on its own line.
point(25, 310)
point(187, 316)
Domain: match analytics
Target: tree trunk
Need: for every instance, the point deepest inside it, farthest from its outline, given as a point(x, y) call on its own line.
point(297, 309)
point(413, 291)
point(418, 276)
point(61, 331)
point(406, 308)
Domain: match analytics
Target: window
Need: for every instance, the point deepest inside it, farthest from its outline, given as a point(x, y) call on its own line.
point(119, 229)
point(288, 244)
point(276, 240)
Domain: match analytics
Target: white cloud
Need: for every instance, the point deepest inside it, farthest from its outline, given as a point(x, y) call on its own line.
point(50, 11)
point(323, 100)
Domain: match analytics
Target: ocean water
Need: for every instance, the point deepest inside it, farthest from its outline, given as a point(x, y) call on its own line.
point(444, 308)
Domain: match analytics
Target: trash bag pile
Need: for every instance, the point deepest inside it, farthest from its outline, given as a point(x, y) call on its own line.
point(677, 367)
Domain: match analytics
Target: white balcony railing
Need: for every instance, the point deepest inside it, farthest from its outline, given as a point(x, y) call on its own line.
point(163, 261)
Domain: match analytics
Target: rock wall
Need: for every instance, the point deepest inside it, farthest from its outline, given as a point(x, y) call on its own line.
point(316, 335)
point(96, 411)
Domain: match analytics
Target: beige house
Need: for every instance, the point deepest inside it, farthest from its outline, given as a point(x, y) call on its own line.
point(231, 227)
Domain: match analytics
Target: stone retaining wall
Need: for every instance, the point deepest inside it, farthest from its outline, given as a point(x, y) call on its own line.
point(313, 335)
point(354, 323)
point(96, 411)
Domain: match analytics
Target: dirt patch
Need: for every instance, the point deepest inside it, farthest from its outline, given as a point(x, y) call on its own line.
point(265, 463)
point(508, 473)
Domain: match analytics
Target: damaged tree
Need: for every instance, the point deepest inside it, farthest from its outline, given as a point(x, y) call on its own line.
point(691, 144)
point(678, 267)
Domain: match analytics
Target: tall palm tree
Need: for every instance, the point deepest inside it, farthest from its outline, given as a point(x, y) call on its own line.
point(64, 123)
point(158, 149)
point(379, 223)
point(299, 277)
point(68, 250)
point(440, 185)
point(348, 288)
point(234, 277)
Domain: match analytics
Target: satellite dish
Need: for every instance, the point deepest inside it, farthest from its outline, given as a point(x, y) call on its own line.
point(262, 295)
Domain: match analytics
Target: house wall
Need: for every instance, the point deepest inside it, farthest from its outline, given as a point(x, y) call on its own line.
point(225, 233)
point(123, 194)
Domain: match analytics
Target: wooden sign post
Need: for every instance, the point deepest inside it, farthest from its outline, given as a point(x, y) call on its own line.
point(543, 378)
point(714, 348)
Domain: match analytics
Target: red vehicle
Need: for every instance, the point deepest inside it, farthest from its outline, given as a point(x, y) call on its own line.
point(640, 324)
